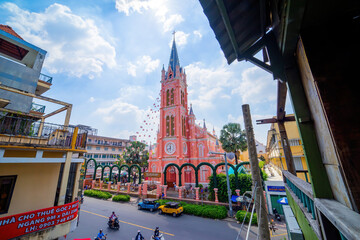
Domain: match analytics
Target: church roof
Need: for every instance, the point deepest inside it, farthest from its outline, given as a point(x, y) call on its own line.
point(174, 58)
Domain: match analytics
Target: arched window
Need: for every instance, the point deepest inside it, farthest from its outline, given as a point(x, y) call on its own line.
point(167, 97)
point(167, 126)
point(201, 150)
point(182, 98)
point(172, 125)
point(172, 96)
point(184, 126)
point(154, 168)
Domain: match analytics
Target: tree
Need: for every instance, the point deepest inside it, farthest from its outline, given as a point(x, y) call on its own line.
point(233, 139)
point(136, 154)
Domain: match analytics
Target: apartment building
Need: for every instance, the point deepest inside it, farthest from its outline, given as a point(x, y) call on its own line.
point(275, 150)
point(39, 161)
point(106, 150)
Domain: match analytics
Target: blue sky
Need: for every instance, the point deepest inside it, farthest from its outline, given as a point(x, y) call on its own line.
point(106, 57)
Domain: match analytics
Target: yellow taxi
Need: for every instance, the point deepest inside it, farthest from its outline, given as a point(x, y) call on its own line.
point(172, 208)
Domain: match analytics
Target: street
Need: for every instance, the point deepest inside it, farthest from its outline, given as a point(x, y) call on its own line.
point(94, 214)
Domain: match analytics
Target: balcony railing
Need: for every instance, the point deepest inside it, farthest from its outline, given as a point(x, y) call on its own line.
point(328, 218)
point(45, 78)
point(37, 108)
point(29, 132)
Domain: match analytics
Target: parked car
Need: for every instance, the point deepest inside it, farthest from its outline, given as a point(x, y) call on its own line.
point(150, 204)
point(172, 208)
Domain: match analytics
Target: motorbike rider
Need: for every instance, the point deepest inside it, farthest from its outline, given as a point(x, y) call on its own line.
point(157, 233)
point(139, 236)
point(112, 218)
point(100, 235)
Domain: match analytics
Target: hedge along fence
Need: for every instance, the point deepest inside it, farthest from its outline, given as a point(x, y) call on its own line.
point(121, 198)
point(208, 211)
point(241, 214)
point(97, 194)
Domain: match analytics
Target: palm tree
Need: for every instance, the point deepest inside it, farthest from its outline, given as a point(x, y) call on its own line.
point(233, 139)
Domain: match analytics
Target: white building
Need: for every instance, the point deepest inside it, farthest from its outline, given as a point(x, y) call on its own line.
point(105, 150)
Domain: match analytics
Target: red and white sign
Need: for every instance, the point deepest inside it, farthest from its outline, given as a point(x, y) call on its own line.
point(24, 223)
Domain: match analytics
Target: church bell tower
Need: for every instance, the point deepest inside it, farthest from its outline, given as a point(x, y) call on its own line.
point(173, 110)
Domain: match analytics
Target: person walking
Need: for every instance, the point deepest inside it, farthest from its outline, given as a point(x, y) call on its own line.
point(139, 236)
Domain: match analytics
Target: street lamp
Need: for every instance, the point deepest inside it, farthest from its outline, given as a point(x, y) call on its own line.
point(231, 156)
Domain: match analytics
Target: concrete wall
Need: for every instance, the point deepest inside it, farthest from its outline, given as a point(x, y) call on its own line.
point(35, 185)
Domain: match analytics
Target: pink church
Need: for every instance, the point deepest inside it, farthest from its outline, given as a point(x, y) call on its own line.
point(179, 139)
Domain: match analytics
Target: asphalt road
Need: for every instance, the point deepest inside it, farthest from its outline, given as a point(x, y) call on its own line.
point(94, 214)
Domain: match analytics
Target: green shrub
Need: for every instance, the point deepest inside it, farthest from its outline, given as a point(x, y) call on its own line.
point(97, 194)
point(121, 198)
point(241, 214)
point(244, 184)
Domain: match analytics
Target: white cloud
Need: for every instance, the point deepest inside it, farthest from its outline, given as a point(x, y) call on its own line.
point(256, 86)
point(117, 109)
point(197, 34)
point(206, 85)
point(91, 99)
point(129, 6)
point(144, 63)
point(181, 38)
point(158, 7)
point(75, 45)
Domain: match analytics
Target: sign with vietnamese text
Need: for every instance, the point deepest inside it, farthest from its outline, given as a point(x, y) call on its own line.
point(24, 223)
point(152, 174)
point(276, 188)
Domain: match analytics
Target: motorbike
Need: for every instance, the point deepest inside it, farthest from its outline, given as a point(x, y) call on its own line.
point(116, 224)
point(277, 215)
point(160, 237)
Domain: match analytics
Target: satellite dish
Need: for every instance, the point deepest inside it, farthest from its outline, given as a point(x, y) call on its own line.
point(230, 155)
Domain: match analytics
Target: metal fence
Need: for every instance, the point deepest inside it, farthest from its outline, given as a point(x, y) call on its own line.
point(28, 131)
point(37, 108)
point(45, 78)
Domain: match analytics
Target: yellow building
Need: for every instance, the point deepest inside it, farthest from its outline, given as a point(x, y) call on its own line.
point(275, 150)
point(39, 161)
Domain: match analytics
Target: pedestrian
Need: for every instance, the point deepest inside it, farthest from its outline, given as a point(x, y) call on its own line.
point(135, 178)
point(175, 187)
point(162, 195)
point(139, 236)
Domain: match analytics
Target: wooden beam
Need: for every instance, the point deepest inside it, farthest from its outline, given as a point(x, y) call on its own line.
point(56, 111)
point(13, 90)
point(275, 120)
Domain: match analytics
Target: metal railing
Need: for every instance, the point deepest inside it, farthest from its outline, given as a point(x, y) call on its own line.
point(38, 108)
point(330, 218)
point(45, 78)
point(27, 131)
point(302, 190)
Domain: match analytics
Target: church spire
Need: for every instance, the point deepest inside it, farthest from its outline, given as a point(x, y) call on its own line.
point(174, 57)
point(191, 110)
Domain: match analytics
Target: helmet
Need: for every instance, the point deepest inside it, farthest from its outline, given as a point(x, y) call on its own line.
point(100, 230)
point(138, 231)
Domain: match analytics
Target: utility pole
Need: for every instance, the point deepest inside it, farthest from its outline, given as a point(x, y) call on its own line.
point(264, 233)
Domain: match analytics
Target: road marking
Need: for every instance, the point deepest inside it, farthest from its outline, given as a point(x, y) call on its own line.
point(127, 222)
point(277, 234)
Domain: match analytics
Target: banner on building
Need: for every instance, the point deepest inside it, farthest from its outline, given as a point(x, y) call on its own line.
point(28, 222)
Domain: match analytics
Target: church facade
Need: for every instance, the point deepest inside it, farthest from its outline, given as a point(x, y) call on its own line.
point(179, 139)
